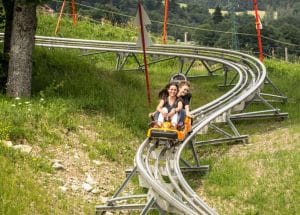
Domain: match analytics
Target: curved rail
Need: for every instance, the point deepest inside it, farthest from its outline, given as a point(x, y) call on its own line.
point(180, 185)
point(179, 195)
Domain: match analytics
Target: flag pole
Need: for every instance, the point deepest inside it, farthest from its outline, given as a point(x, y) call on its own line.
point(258, 26)
point(164, 36)
point(60, 15)
point(144, 52)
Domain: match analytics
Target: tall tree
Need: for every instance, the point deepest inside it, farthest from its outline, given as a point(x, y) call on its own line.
point(8, 8)
point(173, 6)
point(205, 35)
point(217, 16)
point(23, 30)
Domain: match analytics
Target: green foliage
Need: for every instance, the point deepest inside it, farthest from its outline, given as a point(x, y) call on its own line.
point(277, 33)
point(205, 37)
point(2, 18)
point(4, 131)
point(217, 15)
point(286, 78)
point(24, 118)
point(85, 29)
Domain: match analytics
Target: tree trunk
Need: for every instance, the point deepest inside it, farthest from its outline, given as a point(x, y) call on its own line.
point(8, 7)
point(22, 44)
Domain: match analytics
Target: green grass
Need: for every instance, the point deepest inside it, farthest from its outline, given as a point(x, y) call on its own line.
point(22, 188)
point(85, 29)
point(262, 177)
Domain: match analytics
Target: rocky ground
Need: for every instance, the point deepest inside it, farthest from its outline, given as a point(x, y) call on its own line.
point(75, 175)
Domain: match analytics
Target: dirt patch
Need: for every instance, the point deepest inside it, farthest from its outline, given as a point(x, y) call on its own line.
point(79, 177)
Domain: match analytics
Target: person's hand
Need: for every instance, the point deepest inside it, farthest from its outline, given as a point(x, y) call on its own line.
point(151, 114)
point(190, 115)
point(164, 113)
point(170, 114)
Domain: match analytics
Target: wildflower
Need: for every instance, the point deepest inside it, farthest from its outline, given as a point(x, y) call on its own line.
point(13, 105)
point(27, 103)
point(17, 98)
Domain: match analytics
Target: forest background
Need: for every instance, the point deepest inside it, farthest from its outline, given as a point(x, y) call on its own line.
point(220, 23)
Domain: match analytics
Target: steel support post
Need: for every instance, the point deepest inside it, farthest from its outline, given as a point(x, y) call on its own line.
point(219, 130)
point(274, 96)
point(242, 138)
point(190, 66)
point(209, 72)
point(225, 76)
point(205, 64)
point(185, 162)
point(148, 206)
point(124, 184)
point(265, 102)
point(181, 62)
point(104, 209)
point(194, 154)
point(228, 137)
point(284, 98)
point(140, 66)
point(161, 60)
point(226, 84)
point(232, 126)
point(121, 61)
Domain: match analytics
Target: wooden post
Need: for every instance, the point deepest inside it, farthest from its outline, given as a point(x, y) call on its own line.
point(164, 35)
point(185, 38)
point(273, 52)
point(144, 51)
point(60, 15)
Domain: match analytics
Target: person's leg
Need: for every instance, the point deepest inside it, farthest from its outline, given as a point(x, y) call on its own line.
point(181, 116)
point(154, 115)
point(174, 120)
point(161, 119)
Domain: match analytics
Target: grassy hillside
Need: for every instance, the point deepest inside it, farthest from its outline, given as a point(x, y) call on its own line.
point(92, 119)
point(261, 177)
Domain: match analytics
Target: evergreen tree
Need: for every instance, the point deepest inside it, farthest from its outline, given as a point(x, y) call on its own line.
point(217, 16)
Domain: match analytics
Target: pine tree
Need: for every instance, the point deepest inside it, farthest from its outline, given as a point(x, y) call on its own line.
point(217, 16)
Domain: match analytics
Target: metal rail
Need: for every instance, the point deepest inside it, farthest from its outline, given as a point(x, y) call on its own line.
point(159, 164)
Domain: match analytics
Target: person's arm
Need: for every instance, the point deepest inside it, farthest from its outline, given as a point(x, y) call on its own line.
point(187, 111)
point(176, 110)
point(160, 106)
point(187, 106)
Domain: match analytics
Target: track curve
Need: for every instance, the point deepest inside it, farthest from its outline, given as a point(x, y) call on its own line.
point(155, 162)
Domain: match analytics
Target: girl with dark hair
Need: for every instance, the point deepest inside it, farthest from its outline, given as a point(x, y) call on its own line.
point(169, 105)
